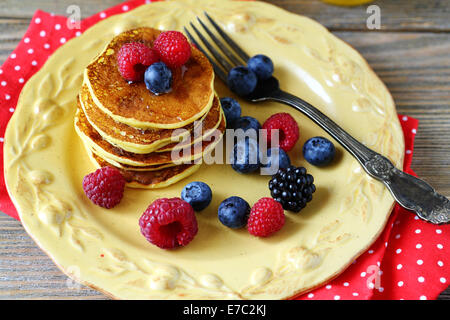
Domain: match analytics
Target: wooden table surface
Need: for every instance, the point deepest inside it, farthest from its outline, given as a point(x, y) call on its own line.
point(410, 53)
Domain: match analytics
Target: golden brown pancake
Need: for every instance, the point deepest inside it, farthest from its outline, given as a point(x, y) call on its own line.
point(102, 148)
point(127, 167)
point(133, 104)
point(151, 179)
point(124, 136)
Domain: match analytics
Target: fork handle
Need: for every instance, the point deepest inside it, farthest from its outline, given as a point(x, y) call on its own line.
point(410, 192)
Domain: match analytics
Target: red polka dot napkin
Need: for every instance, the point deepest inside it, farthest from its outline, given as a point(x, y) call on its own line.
point(411, 258)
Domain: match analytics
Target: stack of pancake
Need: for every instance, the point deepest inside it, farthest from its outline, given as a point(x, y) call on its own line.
point(126, 126)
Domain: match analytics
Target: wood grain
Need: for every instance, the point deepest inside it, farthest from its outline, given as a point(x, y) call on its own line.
point(410, 54)
point(398, 15)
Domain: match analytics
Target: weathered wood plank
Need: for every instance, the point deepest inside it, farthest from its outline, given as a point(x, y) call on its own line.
point(25, 8)
point(431, 15)
point(395, 15)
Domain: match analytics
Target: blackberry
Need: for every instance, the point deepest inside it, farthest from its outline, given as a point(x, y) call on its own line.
point(292, 187)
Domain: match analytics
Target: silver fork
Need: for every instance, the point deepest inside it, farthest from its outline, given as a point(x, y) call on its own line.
point(410, 192)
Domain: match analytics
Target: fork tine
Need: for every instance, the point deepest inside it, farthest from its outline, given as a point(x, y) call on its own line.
point(244, 56)
point(231, 55)
point(219, 57)
point(218, 70)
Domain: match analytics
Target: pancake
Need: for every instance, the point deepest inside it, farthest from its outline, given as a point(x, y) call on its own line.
point(133, 104)
point(127, 167)
point(124, 136)
point(151, 179)
point(104, 149)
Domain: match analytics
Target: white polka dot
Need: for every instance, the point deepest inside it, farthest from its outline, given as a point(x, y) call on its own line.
point(1, 71)
point(13, 56)
point(57, 26)
point(310, 295)
point(386, 244)
point(34, 63)
point(397, 236)
point(442, 280)
point(380, 289)
point(62, 40)
point(400, 283)
point(370, 285)
point(438, 231)
point(102, 15)
point(421, 279)
point(328, 287)
point(30, 51)
point(46, 46)
point(42, 33)
point(418, 246)
point(439, 246)
point(398, 251)
point(370, 251)
point(399, 266)
point(21, 80)
point(3, 83)
point(11, 109)
point(440, 263)
point(37, 20)
point(423, 298)
point(419, 262)
point(408, 151)
point(125, 8)
point(17, 68)
point(355, 294)
point(363, 274)
point(405, 118)
point(346, 284)
point(26, 40)
point(78, 33)
point(414, 131)
point(2, 139)
point(7, 97)
point(337, 297)
point(418, 231)
point(416, 218)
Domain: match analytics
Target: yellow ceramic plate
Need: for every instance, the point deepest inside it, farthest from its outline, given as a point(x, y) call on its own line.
point(45, 163)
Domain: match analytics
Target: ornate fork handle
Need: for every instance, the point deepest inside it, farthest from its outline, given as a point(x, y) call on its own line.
point(410, 192)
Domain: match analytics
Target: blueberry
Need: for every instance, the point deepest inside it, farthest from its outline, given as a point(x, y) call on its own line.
point(262, 66)
point(245, 157)
point(242, 81)
point(158, 78)
point(232, 110)
point(319, 151)
point(233, 212)
point(246, 123)
point(197, 194)
point(276, 158)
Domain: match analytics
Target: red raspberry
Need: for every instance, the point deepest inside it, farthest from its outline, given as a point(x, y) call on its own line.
point(266, 217)
point(104, 187)
point(169, 223)
point(133, 59)
point(289, 132)
point(173, 48)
